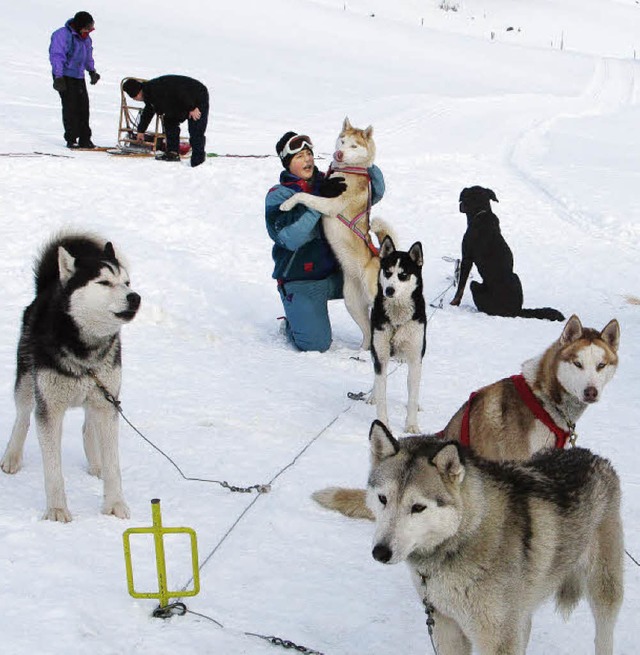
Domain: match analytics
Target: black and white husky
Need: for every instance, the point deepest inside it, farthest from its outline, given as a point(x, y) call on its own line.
point(69, 355)
point(398, 325)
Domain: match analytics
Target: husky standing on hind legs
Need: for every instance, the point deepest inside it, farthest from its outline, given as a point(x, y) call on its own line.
point(488, 542)
point(345, 221)
point(398, 325)
point(70, 347)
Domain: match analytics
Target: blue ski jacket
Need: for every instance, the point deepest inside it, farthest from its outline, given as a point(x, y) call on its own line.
point(301, 250)
point(70, 55)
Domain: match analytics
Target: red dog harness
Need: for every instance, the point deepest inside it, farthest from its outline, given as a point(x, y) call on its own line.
point(530, 400)
point(353, 223)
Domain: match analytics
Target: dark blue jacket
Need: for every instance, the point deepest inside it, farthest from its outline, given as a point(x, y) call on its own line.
point(301, 250)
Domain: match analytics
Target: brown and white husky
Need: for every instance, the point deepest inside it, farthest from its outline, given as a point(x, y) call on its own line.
point(347, 225)
point(513, 418)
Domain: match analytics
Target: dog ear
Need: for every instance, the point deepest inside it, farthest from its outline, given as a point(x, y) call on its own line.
point(109, 252)
point(492, 195)
point(611, 334)
point(448, 463)
point(387, 247)
point(66, 265)
point(572, 331)
point(381, 443)
point(368, 133)
point(461, 201)
point(346, 125)
point(415, 252)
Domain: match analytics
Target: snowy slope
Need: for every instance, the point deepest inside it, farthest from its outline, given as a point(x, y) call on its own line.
point(207, 376)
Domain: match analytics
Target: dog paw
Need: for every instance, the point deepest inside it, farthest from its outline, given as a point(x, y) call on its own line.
point(95, 470)
point(11, 463)
point(61, 514)
point(288, 204)
point(371, 400)
point(118, 508)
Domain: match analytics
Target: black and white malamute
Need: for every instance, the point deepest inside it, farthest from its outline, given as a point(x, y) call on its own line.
point(70, 353)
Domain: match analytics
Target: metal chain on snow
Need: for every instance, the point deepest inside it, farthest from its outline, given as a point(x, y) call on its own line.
point(180, 609)
point(260, 488)
point(285, 643)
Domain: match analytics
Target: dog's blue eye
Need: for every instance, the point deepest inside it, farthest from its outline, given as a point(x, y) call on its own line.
point(578, 364)
point(600, 366)
point(416, 509)
point(382, 499)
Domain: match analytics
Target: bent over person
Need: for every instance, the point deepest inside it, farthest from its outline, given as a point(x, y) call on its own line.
point(306, 269)
point(71, 54)
point(176, 98)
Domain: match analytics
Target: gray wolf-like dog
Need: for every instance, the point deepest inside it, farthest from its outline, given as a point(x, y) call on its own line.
point(345, 220)
point(70, 347)
point(500, 293)
point(398, 325)
point(488, 542)
point(498, 421)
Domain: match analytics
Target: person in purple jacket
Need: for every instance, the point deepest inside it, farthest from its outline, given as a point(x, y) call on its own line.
point(71, 54)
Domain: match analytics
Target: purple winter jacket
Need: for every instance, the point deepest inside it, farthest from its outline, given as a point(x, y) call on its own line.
point(69, 53)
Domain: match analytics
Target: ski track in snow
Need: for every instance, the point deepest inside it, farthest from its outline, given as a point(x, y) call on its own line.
point(612, 88)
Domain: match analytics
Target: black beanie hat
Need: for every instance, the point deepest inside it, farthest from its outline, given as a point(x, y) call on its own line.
point(282, 142)
point(82, 19)
point(132, 87)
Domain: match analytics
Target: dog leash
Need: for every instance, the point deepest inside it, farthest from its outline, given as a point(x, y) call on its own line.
point(429, 610)
point(260, 488)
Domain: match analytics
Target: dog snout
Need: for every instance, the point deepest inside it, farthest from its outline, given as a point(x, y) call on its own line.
point(133, 301)
point(338, 155)
point(389, 292)
point(381, 553)
point(590, 395)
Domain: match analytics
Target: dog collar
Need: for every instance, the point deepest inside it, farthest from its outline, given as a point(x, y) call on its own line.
point(532, 402)
point(356, 170)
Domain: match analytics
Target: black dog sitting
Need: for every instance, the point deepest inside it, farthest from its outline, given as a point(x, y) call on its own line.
point(500, 293)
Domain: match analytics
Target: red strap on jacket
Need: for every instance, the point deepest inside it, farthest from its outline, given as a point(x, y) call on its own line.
point(538, 410)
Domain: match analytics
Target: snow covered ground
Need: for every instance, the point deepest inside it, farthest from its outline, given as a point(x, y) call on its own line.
point(546, 114)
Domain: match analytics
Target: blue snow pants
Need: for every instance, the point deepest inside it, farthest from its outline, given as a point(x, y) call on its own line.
point(307, 312)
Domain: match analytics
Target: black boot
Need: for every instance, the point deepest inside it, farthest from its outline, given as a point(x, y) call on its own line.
point(169, 156)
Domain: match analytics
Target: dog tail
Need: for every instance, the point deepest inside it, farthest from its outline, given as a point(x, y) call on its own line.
point(547, 313)
point(350, 502)
point(382, 229)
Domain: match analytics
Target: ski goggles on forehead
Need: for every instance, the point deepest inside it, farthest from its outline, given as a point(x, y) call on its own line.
point(295, 144)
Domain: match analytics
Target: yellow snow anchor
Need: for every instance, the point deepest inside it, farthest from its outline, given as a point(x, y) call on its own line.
point(158, 531)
